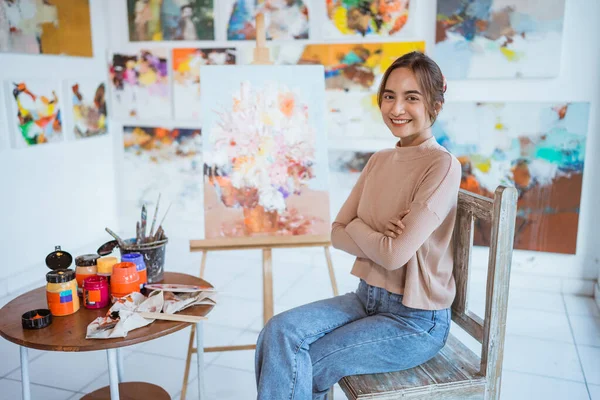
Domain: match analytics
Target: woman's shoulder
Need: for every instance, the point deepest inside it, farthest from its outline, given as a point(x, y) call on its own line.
point(444, 162)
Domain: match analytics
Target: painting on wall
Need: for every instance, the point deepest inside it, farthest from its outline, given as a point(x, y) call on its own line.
point(36, 112)
point(265, 151)
point(186, 77)
point(139, 84)
point(537, 147)
point(88, 107)
point(346, 18)
point(60, 27)
point(284, 19)
point(353, 72)
point(165, 161)
point(345, 167)
point(158, 20)
point(499, 38)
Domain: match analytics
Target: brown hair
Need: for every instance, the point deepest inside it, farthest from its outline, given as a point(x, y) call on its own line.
point(429, 76)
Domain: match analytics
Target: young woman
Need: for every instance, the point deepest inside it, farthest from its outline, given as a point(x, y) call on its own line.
point(398, 222)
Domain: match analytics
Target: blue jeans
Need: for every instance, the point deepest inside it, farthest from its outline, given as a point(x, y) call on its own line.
point(304, 351)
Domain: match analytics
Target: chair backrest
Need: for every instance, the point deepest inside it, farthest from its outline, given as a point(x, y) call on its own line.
point(500, 213)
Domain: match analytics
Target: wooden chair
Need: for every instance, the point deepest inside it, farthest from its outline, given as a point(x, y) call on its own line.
point(456, 372)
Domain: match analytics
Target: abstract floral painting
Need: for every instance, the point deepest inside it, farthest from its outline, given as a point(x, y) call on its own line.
point(499, 38)
point(537, 147)
point(165, 161)
point(60, 27)
point(140, 84)
point(265, 151)
point(284, 19)
point(88, 107)
point(353, 72)
point(365, 17)
point(186, 77)
point(36, 112)
point(158, 20)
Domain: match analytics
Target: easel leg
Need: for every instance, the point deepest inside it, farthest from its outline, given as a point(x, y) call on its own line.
point(331, 272)
point(267, 286)
point(191, 349)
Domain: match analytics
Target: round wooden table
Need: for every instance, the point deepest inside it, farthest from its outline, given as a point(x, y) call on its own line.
point(68, 334)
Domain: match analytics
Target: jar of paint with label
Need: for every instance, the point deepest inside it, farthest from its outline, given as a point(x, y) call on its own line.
point(95, 292)
point(140, 265)
point(86, 266)
point(61, 286)
point(125, 280)
point(105, 267)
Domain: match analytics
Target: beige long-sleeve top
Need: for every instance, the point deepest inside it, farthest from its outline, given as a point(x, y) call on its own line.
point(417, 263)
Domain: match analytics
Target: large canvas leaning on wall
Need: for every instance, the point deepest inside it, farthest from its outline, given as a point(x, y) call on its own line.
point(170, 20)
point(186, 65)
point(265, 151)
point(89, 115)
point(537, 147)
point(139, 84)
point(347, 18)
point(499, 38)
point(59, 27)
point(166, 161)
point(35, 112)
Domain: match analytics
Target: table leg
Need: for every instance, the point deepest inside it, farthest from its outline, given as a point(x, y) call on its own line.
point(120, 365)
point(113, 373)
point(200, 359)
point(25, 374)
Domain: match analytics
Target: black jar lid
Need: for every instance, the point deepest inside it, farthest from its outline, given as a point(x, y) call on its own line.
point(60, 276)
point(86, 260)
point(59, 259)
point(29, 322)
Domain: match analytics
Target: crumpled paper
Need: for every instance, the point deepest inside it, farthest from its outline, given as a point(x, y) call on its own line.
point(169, 302)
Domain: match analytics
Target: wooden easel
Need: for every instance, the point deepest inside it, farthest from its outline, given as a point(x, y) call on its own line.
point(266, 244)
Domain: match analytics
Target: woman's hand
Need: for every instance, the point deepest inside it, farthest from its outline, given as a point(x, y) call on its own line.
point(395, 226)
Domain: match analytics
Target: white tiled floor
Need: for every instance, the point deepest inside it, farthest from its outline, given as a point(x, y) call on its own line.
point(552, 348)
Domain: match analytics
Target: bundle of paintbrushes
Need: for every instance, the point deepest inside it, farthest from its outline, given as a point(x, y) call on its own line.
point(153, 236)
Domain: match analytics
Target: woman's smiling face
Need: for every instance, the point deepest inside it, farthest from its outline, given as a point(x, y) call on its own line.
point(403, 107)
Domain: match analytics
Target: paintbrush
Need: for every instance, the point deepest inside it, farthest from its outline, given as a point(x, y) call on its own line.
point(143, 224)
point(154, 219)
point(138, 233)
point(119, 240)
point(163, 220)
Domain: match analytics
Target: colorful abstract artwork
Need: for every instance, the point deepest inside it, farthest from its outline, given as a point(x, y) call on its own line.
point(158, 20)
point(284, 19)
point(538, 148)
point(88, 105)
point(140, 84)
point(186, 77)
point(36, 109)
point(46, 27)
point(499, 38)
point(265, 151)
point(353, 72)
point(365, 17)
point(345, 167)
point(165, 161)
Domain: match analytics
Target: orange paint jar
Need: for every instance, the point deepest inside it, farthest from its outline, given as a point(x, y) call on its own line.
point(125, 279)
point(61, 292)
point(86, 267)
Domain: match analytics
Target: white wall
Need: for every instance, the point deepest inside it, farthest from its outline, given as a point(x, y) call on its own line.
point(41, 213)
point(53, 194)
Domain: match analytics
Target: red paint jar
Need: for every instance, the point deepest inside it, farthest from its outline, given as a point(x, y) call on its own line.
point(95, 292)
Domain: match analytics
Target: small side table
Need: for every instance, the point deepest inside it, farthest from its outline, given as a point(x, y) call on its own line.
point(68, 334)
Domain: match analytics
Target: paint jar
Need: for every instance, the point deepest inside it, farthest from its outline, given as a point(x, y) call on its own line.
point(61, 292)
point(85, 267)
point(95, 292)
point(125, 280)
point(105, 267)
point(140, 265)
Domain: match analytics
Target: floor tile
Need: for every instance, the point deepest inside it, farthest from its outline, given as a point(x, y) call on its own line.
point(10, 389)
point(538, 324)
point(590, 361)
point(535, 300)
point(162, 371)
point(218, 385)
point(594, 391)
point(70, 371)
point(542, 357)
point(243, 359)
point(235, 312)
point(586, 330)
point(582, 305)
point(11, 356)
point(521, 386)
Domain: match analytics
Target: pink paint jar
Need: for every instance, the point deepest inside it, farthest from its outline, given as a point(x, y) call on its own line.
point(95, 292)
